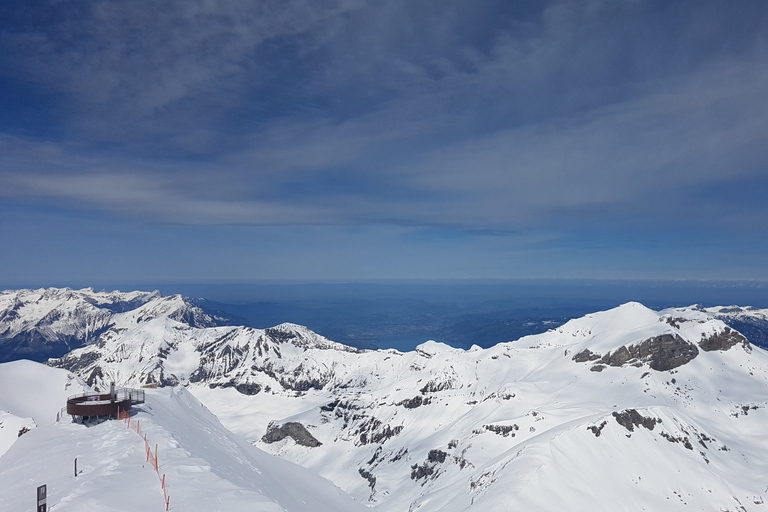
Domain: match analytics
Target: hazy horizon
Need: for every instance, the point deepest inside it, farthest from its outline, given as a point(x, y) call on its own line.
point(402, 314)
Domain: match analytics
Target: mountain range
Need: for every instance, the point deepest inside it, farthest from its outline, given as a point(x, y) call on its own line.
point(624, 409)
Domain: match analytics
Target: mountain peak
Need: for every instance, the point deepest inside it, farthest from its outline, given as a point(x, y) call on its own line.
point(447, 429)
point(49, 322)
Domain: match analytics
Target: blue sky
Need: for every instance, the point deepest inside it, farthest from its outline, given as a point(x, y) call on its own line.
point(351, 140)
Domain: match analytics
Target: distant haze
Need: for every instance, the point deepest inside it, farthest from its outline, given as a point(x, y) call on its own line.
point(402, 314)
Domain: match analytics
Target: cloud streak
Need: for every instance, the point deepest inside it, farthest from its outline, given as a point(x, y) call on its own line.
point(342, 112)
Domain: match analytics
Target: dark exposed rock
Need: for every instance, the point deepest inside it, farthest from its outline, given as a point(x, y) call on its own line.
point(415, 402)
point(597, 430)
point(330, 406)
point(744, 410)
point(292, 429)
point(429, 467)
point(375, 456)
point(23, 430)
point(214, 385)
point(678, 439)
point(167, 380)
point(755, 329)
point(586, 355)
point(435, 386)
point(371, 431)
point(723, 340)
point(664, 352)
point(618, 357)
point(630, 418)
point(462, 462)
point(419, 471)
point(368, 476)
point(248, 388)
point(502, 430)
point(436, 456)
point(675, 322)
point(399, 455)
point(94, 376)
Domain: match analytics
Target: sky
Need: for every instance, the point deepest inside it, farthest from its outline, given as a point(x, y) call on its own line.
point(230, 141)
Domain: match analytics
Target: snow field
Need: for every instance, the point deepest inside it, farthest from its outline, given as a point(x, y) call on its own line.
point(206, 467)
point(520, 426)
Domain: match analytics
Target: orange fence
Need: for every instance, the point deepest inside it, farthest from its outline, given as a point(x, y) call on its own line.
point(135, 425)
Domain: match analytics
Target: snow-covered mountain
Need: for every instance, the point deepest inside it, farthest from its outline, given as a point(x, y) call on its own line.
point(204, 466)
point(751, 322)
point(49, 322)
point(626, 409)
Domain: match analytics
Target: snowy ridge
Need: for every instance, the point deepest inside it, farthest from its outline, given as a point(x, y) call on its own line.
point(207, 467)
point(49, 322)
point(32, 395)
point(614, 410)
point(164, 351)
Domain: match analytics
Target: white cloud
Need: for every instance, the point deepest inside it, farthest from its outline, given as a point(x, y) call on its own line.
point(577, 112)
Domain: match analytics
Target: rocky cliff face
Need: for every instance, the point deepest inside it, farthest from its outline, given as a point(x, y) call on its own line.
point(749, 321)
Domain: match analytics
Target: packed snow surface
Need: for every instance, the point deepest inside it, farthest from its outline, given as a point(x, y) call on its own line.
point(206, 467)
point(32, 395)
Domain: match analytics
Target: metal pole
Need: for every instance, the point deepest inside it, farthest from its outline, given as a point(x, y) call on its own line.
point(75, 467)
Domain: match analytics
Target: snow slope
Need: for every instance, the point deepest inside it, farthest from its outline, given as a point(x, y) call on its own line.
point(207, 468)
point(626, 409)
point(31, 395)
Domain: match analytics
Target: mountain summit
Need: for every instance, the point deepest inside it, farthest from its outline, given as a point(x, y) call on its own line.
point(49, 322)
point(614, 410)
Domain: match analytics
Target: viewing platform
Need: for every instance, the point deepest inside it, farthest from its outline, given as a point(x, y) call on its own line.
point(94, 405)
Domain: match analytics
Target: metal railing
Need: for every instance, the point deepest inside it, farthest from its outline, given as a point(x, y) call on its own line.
point(104, 404)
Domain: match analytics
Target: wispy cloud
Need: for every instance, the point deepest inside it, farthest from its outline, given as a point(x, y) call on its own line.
point(483, 116)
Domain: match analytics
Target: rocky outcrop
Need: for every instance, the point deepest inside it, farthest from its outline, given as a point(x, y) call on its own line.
point(412, 403)
point(723, 340)
point(292, 429)
point(429, 468)
point(586, 355)
point(503, 430)
point(630, 418)
point(662, 353)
